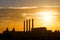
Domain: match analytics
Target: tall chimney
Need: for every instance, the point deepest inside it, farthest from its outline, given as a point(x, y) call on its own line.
point(32, 24)
point(26, 25)
point(29, 25)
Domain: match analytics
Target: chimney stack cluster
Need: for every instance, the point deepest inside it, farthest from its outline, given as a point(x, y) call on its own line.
point(27, 25)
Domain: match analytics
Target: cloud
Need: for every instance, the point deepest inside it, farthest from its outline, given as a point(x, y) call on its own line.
point(31, 7)
point(7, 14)
point(17, 14)
point(21, 7)
point(18, 7)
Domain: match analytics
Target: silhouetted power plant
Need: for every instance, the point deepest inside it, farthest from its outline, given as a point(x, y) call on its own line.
point(27, 25)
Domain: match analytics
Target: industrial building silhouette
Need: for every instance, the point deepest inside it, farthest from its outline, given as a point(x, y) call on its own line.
point(27, 25)
point(30, 33)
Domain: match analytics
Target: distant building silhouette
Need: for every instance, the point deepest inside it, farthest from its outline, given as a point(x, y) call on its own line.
point(6, 30)
point(39, 29)
point(13, 30)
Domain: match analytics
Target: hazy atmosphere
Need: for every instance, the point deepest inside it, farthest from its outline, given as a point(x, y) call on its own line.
point(46, 13)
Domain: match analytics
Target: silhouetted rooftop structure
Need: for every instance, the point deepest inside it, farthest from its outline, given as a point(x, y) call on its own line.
point(39, 29)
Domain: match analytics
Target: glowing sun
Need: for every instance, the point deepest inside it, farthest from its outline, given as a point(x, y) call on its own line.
point(46, 15)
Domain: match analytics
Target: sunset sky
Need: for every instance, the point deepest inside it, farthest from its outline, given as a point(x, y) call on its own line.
point(46, 13)
point(6, 3)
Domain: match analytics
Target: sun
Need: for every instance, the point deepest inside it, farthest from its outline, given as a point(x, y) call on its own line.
point(46, 15)
point(47, 18)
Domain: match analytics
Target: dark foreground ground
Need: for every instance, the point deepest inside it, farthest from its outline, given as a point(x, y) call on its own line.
point(39, 35)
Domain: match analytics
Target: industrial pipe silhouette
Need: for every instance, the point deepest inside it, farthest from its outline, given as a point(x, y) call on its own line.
point(27, 25)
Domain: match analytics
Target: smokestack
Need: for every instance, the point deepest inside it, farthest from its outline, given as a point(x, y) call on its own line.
point(29, 25)
point(32, 24)
point(26, 25)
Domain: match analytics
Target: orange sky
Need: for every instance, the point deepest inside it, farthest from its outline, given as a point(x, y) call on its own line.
point(54, 24)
